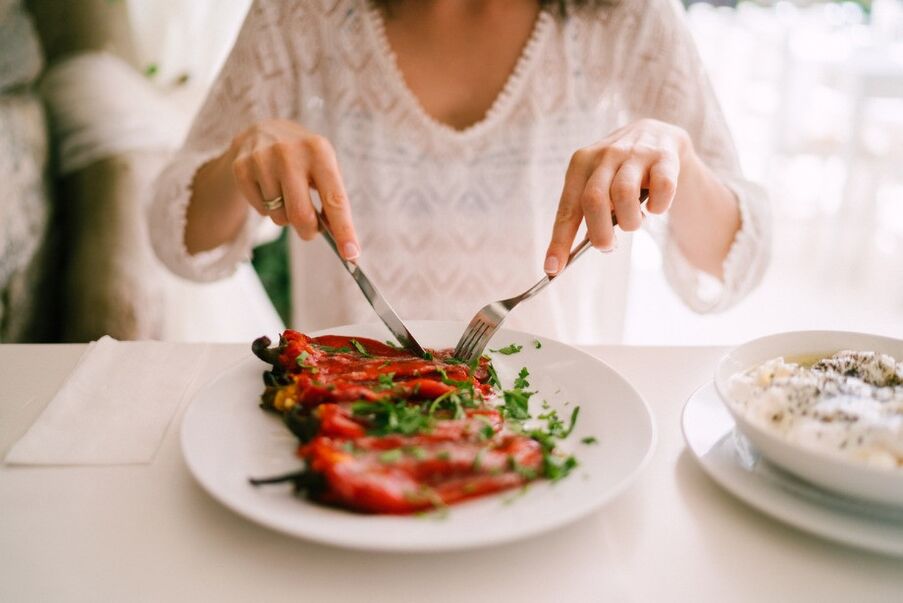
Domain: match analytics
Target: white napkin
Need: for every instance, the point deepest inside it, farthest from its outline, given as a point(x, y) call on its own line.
point(115, 406)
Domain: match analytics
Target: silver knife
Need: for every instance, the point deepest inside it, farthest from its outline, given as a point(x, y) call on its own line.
point(380, 304)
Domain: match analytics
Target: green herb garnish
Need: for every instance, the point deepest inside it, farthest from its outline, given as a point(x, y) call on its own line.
point(301, 360)
point(555, 426)
point(329, 349)
point(385, 381)
point(537, 344)
point(589, 440)
point(517, 400)
point(494, 377)
point(517, 404)
point(509, 349)
point(521, 381)
point(390, 456)
point(393, 417)
point(416, 451)
point(361, 349)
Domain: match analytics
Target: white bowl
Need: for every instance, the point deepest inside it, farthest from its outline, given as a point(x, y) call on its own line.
point(841, 475)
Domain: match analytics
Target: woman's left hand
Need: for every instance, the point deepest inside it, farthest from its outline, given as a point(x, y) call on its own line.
point(605, 179)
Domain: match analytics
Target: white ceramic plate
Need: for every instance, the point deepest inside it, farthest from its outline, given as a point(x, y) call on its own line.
point(227, 438)
point(727, 458)
point(847, 477)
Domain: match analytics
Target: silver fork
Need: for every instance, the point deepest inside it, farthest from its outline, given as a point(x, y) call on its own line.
point(489, 318)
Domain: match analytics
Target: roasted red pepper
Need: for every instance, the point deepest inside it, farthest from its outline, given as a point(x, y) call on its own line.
point(383, 431)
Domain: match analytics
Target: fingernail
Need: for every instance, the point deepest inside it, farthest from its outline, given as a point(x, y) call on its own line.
point(551, 265)
point(350, 250)
point(613, 246)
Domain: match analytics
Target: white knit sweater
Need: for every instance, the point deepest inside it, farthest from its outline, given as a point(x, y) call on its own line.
point(449, 220)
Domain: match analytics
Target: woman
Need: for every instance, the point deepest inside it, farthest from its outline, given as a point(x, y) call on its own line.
point(457, 146)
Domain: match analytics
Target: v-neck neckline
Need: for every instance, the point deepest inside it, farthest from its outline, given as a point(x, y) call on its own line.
point(500, 105)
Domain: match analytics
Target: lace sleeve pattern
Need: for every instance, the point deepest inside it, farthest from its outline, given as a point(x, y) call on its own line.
point(664, 79)
point(257, 82)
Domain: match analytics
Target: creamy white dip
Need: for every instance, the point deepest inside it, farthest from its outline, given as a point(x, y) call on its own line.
point(849, 405)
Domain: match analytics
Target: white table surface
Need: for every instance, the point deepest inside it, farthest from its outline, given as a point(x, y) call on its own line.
point(149, 533)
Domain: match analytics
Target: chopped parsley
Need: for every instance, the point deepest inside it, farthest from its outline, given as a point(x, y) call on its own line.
point(521, 381)
point(555, 464)
point(415, 451)
point(478, 459)
point(301, 360)
point(361, 349)
point(487, 431)
point(509, 349)
point(517, 399)
point(388, 416)
point(525, 472)
point(517, 404)
point(329, 349)
point(555, 426)
point(537, 344)
point(385, 381)
point(493, 377)
point(390, 456)
point(589, 440)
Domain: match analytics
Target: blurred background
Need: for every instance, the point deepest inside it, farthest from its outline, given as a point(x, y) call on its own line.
point(96, 94)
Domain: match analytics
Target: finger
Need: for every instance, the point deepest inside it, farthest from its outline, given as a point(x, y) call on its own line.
point(625, 194)
point(246, 182)
point(569, 214)
point(268, 183)
point(324, 171)
point(296, 192)
point(663, 177)
point(597, 207)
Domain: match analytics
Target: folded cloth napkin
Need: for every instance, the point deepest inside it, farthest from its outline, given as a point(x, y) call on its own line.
point(115, 406)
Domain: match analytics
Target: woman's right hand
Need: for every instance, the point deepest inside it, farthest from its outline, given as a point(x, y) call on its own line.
point(279, 157)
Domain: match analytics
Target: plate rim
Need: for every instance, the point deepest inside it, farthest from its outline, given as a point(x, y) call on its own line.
point(770, 506)
point(529, 530)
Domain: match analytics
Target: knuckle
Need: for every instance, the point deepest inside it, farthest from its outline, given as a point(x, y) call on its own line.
point(616, 151)
point(621, 191)
point(666, 186)
point(581, 157)
point(284, 148)
point(592, 200)
point(565, 215)
point(647, 150)
point(240, 169)
point(334, 200)
point(286, 163)
point(260, 158)
point(307, 228)
point(318, 145)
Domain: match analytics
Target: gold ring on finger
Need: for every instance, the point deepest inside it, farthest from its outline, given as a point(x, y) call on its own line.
point(274, 204)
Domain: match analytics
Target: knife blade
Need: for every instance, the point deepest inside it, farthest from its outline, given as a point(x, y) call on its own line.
point(379, 303)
